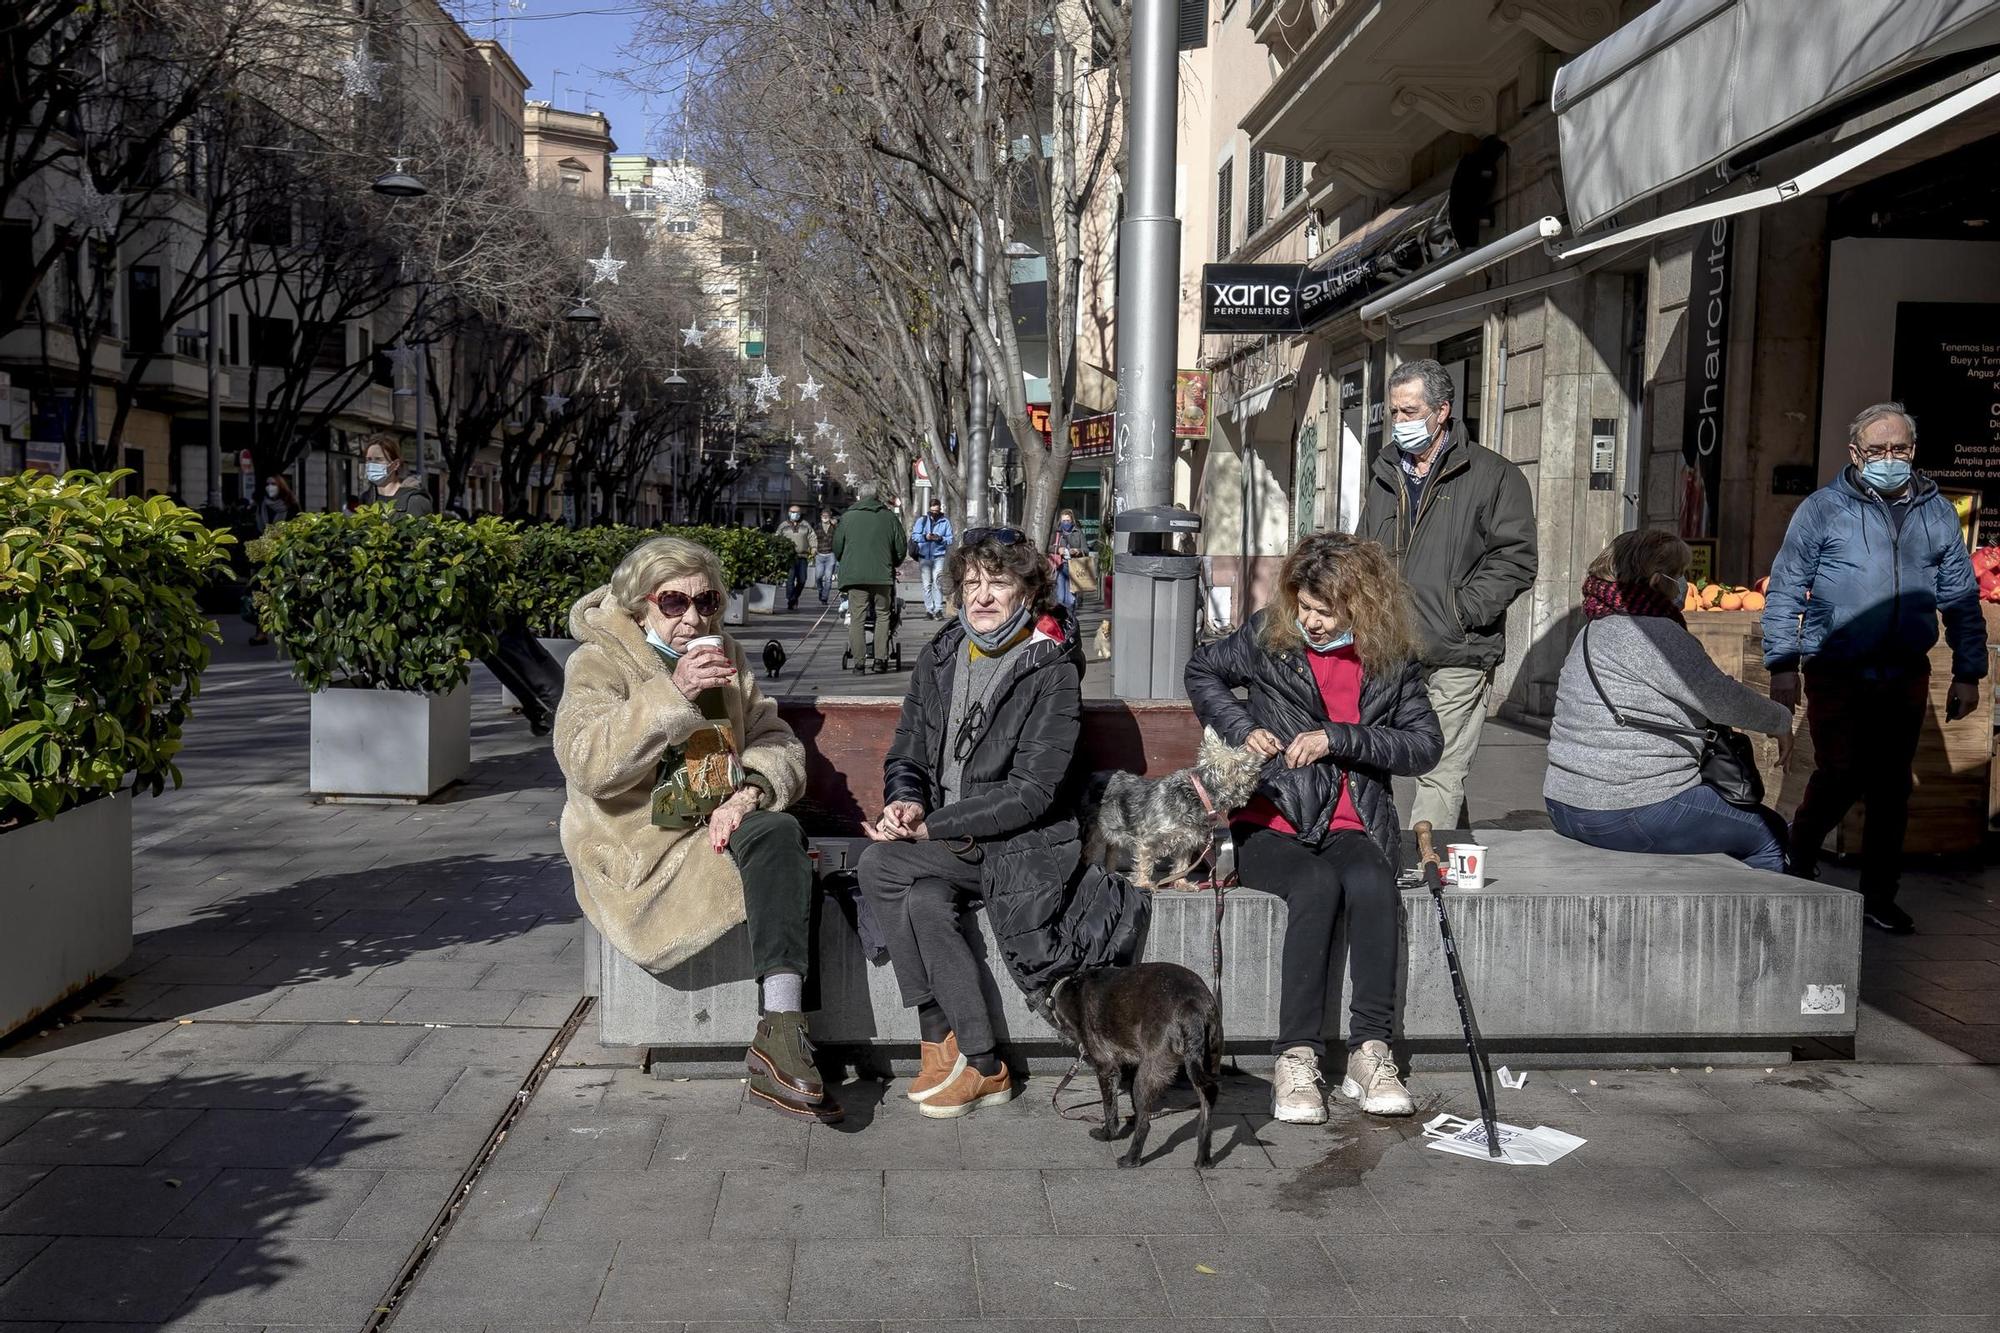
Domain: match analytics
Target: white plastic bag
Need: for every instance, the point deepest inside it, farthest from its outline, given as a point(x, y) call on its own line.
point(1518, 1147)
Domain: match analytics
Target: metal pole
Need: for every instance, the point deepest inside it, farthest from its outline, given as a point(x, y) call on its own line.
point(214, 377)
point(422, 364)
point(979, 426)
point(1148, 315)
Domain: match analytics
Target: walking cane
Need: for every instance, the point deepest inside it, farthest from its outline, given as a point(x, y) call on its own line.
point(1482, 1078)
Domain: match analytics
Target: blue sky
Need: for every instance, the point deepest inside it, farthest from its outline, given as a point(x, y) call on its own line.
point(587, 41)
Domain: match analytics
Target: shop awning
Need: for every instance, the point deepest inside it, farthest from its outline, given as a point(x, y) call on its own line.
point(1691, 86)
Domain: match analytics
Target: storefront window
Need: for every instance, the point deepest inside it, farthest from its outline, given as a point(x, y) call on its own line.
point(1465, 358)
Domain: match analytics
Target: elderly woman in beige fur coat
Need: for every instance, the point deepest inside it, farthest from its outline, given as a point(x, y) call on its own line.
point(678, 768)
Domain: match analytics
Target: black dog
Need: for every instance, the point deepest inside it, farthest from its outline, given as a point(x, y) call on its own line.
point(1155, 1019)
point(774, 659)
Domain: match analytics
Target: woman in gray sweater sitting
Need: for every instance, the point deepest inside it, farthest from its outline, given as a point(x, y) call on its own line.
point(1630, 788)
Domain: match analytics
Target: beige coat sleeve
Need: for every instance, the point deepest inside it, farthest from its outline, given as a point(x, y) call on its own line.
point(611, 733)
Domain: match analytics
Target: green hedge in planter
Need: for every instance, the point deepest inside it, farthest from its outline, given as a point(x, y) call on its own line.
point(559, 565)
point(380, 600)
point(748, 556)
point(102, 644)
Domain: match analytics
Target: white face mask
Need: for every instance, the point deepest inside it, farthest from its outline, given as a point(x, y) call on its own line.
point(376, 472)
point(795, 516)
point(271, 491)
point(1412, 437)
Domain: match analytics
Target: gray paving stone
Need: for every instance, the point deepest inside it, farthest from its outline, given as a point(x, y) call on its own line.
point(573, 1092)
point(724, 1141)
point(1923, 1198)
point(895, 1139)
point(1348, 1139)
point(402, 1206)
point(1640, 1198)
point(15, 1119)
point(14, 1072)
point(978, 1326)
point(1634, 1092)
point(131, 1280)
point(351, 1043)
point(544, 1010)
point(546, 977)
point(101, 1137)
point(517, 1047)
point(1787, 1138)
point(433, 1005)
point(819, 1203)
point(1020, 1143)
point(300, 1281)
point(242, 1086)
point(636, 1090)
point(602, 1142)
point(397, 1141)
point(614, 1205)
point(1245, 1275)
point(1783, 1089)
point(1129, 1203)
point(1288, 1203)
point(1929, 1141)
point(254, 1138)
point(379, 1088)
point(697, 1279)
point(1786, 1200)
point(1784, 1275)
point(1434, 1275)
point(1244, 1324)
point(334, 1004)
point(221, 1042)
point(247, 1203)
point(1600, 1274)
point(966, 1203)
point(104, 1200)
point(1953, 1275)
point(876, 1279)
point(428, 972)
point(506, 1204)
point(16, 1251)
point(91, 1041)
point(17, 1180)
point(208, 1002)
point(1643, 1140)
point(1433, 1195)
point(1053, 1276)
point(1235, 1144)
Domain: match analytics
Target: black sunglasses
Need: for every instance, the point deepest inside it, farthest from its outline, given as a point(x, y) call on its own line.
point(969, 731)
point(998, 536)
point(676, 604)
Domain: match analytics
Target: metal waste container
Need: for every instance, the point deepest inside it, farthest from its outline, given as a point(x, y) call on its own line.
point(1153, 617)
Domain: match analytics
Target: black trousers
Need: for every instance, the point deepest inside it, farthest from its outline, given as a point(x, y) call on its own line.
point(770, 853)
point(1349, 873)
point(1864, 734)
point(796, 583)
point(918, 891)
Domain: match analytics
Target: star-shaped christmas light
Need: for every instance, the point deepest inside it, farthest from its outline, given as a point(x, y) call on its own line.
point(96, 212)
point(683, 191)
point(765, 386)
point(798, 439)
point(626, 416)
point(840, 455)
point(604, 268)
point(403, 358)
point(361, 73)
point(850, 479)
point(691, 335)
point(555, 402)
point(809, 389)
point(822, 428)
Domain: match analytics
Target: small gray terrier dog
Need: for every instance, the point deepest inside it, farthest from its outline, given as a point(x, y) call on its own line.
point(1157, 829)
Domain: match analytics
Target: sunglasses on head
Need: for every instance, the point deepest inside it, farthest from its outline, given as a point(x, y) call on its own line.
point(676, 604)
point(998, 536)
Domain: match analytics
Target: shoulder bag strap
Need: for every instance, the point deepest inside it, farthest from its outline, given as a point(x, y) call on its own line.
point(1623, 720)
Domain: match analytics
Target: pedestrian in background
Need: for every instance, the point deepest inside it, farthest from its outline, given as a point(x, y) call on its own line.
point(869, 545)
point(275, 505)
point(382, 464)
point(1068, 545)
point(1459, 520)
point(930, 544)
point(1636, 694)
point(823, 562)
point(805, 545)
point(1870, 562)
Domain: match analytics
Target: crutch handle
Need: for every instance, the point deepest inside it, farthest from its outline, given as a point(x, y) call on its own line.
point(1427, 858)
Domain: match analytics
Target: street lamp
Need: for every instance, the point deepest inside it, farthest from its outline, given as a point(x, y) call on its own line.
point(397, 183)
point(583, 312)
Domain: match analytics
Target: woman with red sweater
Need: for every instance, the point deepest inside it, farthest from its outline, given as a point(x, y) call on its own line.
point(1336, 701)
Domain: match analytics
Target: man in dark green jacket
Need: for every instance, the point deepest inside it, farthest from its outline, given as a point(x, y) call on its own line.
point(1459, 521)
point(869, 544)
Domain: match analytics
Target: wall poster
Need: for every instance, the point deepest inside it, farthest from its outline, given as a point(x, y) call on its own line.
point(1947, 373)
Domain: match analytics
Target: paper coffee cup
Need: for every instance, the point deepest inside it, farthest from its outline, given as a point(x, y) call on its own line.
point(705, 641)
point(1468, 864)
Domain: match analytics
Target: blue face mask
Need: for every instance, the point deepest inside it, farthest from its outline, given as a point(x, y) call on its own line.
point(1341, 640)
point(1887, 475)
point(652, 637)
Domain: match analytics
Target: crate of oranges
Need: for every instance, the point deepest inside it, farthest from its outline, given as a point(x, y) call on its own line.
point(1725, 597)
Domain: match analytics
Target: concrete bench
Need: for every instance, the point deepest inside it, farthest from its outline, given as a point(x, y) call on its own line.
point(1572, 955)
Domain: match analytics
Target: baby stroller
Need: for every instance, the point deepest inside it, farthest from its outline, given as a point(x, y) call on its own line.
point(874, 638)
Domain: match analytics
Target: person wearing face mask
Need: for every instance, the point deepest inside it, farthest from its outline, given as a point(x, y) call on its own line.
point(1869, 565)
point(275, 505)
point(978, 807)
point(1636, 693)
point(930, 544)
point(824, 563)
point(382, 465)
point(1068, 545)
point(678, 770)
point(1459, 521)
point(1336, 702)
point(805, 545)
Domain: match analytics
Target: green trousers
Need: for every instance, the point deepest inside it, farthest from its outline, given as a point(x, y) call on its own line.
point(770, 853)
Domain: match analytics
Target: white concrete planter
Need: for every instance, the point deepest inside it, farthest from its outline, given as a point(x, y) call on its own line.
point(560, 649)
point(733, 613)
point(763, 598)
point(66, 899)
point(389, 743)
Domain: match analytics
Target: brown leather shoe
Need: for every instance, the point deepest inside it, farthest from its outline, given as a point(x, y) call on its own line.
point(967, 1092)
point(766, 1092)
point(783, 1054)
point(941, 1064)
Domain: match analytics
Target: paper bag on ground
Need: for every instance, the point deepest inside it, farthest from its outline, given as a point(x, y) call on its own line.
point(1518, 1147)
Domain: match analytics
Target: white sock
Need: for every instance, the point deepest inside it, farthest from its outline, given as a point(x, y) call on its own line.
point(784, 993)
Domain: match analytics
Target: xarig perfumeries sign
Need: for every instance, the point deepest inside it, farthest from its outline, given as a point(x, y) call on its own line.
point(1250, 298)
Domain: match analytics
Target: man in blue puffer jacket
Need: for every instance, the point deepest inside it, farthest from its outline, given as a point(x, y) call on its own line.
point(1870, 562)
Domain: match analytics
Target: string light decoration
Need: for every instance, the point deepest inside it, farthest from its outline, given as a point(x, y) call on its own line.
point(361, 73)
point(809, 389)
point(822, 428)
point(555, 402)
point(95, 211)
point(604, 268)
point(691, 336)
point(765, 386)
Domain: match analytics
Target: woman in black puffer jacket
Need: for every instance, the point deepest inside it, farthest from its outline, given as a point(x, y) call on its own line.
point(1337, 703)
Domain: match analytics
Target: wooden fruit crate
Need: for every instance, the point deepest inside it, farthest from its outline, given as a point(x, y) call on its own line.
point(1956, 795)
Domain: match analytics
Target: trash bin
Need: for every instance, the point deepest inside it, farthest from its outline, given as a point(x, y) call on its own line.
point(1154, 619)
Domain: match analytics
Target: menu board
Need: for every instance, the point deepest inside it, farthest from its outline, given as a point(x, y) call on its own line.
point(1948, 375)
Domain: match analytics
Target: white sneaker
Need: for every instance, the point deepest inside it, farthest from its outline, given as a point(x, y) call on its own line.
point(1371, 1080)
point(1296, 1098)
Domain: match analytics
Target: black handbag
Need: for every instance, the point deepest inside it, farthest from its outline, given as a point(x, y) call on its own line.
point(1726, 758)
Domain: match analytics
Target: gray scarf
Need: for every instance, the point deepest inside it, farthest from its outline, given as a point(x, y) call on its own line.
point(1004, 634)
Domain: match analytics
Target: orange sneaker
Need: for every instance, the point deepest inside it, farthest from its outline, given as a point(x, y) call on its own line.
point(941, 1064)
point(967, 1092)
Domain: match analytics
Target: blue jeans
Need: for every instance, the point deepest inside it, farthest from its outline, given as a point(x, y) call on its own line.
point(1065, 595)
point(931, 568)
point(1698, 820)
point(823, 565)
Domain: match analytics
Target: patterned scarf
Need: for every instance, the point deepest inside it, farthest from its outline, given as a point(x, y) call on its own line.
point(1602, 597)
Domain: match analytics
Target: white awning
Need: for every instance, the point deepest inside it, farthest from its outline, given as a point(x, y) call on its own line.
point(1691, 84)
